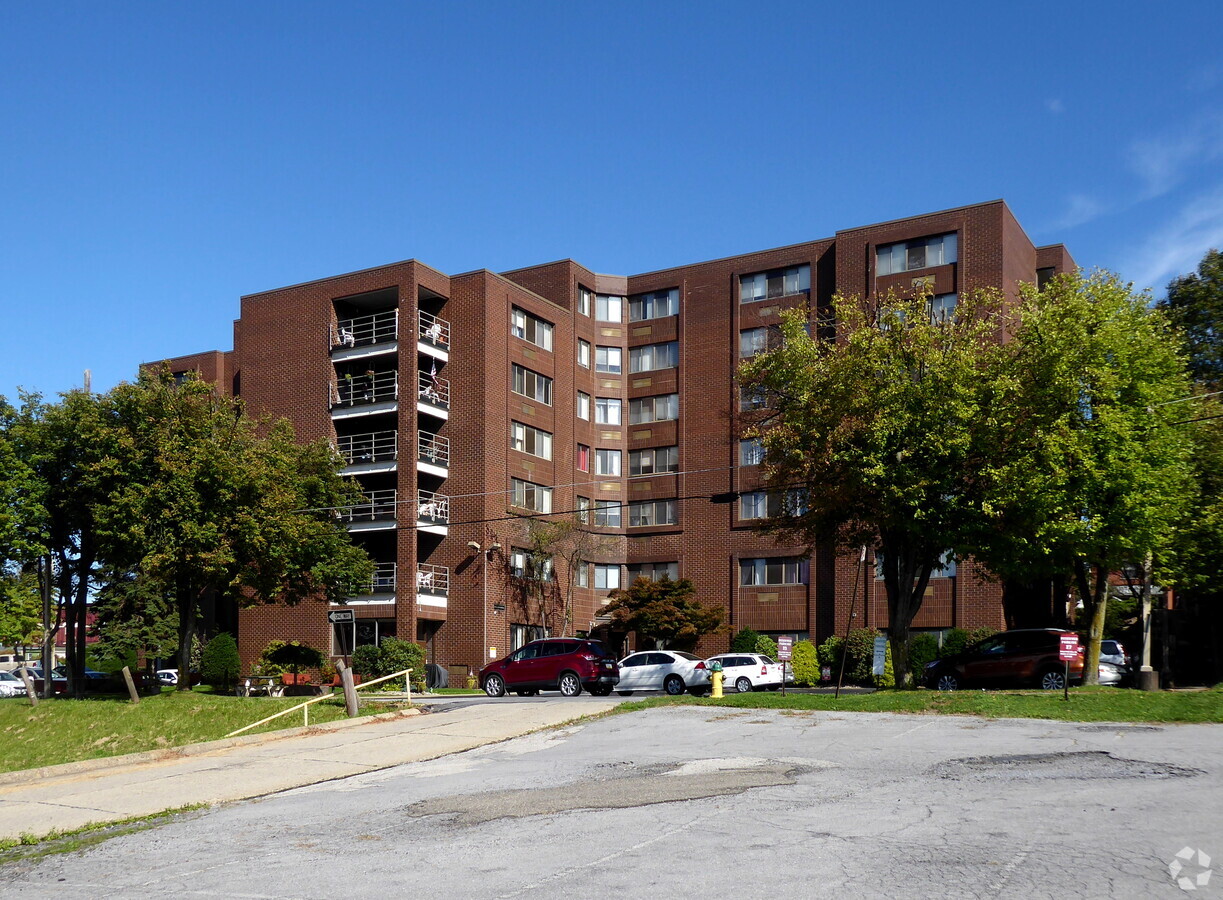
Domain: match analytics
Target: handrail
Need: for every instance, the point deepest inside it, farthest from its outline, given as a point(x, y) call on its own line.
point(304, 707)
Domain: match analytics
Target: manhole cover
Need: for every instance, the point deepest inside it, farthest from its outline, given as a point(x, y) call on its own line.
point(1039, 766)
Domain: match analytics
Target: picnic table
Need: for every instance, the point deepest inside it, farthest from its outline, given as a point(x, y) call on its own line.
point(267, 685)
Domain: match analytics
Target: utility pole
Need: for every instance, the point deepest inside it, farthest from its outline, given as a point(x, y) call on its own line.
point(1148, 678)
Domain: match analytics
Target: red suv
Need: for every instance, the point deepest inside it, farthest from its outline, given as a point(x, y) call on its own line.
point(564, 664)
point(1027, 657)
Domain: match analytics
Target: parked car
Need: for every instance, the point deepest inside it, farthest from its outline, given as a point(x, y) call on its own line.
point(749, 671)
point(565, 664)
point(168, 676)
point(90, 674)
point(1112, 675)
point(11, 685)
point(672, 671)
point(1025, 657)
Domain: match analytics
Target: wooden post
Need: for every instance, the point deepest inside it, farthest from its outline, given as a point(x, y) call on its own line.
point(29, 688)
point(350, 691)
point(131, 684)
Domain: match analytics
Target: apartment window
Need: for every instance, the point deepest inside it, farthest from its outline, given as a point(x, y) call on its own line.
point(944, 568)
point(942, 307)
point(774, 283)
point(607, 462)
point(752, 397)
point(922, 253)
point(768, 504)
point(584, 296)
point(583, 353)
point(522, 565)
point(607, 577)
point(651, 512)
point(657, 305)
point(655, 571)
point(583, 509)
point(653, 461)
point(653, 356)
point(607, 411)
point(609, 309)
point(528, 495)
point(583, 459)
point(581, 574)
point(608, 359)
point(751, 452)
point(662, 408)
point(773, 570)
point(583, 406)
point(528, 439)
point(607, 513)
point(530, 328)
point(753, 341)
point(532, 384)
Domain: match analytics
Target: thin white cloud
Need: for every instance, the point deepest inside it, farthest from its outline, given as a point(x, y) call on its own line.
point(1055, 105)
point(1080, 209)
point(1161, 162)
point(1177, 247)
point(1205, 78)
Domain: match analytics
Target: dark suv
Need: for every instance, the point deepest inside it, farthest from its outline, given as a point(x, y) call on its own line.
point(1027, 657)
point(564, 664)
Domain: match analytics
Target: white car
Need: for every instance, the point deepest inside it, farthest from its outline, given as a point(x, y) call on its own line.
point(168, 676)
point(672, 671)
point(11, 685)
point(749, 672)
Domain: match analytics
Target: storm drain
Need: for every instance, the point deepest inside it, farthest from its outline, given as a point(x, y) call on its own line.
point(1086, 764)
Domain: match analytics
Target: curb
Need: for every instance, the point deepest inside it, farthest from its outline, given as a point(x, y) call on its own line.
point(24, 777)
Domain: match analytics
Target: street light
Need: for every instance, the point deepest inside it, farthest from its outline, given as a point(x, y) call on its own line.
point(486, 554)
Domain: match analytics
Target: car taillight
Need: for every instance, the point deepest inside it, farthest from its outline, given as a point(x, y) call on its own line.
point(700, 665)
point(589, 657)
point(764, 670)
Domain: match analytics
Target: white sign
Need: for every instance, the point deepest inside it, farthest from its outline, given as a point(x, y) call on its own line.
point(340, 615)
point(881, 654)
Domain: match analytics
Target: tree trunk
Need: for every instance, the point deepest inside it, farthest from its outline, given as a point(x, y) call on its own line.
point(905, 578)
point(1094, 594)
point(186, 632)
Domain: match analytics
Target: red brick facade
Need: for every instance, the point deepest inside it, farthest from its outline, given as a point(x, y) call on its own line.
point(290, 359)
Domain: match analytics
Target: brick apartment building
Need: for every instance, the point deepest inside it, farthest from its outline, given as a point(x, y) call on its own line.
point(463, 403)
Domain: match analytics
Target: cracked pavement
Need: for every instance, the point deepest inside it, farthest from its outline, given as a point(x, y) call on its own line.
point(693, 801)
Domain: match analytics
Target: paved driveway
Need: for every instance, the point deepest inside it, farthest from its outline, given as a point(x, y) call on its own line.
point(702, 802)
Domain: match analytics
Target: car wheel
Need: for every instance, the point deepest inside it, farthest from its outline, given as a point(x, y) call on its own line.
point(625, 693)
point(1052, 680)
point(673, 685)
point(947, 681)
point(494, 686)
point(570, 684)
point(744, 685)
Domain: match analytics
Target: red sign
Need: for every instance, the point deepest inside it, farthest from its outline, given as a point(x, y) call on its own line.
point(1069, 647)
point(783, 647)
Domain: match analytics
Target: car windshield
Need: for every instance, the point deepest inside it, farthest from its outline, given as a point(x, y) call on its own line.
point(8, 676)
point(767, 660)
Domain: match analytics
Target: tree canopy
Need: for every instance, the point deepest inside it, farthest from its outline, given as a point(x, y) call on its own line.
point(664, 610)
point(1195, 306)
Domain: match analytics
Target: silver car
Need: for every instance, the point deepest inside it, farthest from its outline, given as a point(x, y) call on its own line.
point(11, 685)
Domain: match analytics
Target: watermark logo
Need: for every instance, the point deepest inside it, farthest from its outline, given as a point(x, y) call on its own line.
point(1190, 869)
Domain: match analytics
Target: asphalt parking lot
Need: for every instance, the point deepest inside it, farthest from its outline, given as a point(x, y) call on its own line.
point(699, 802)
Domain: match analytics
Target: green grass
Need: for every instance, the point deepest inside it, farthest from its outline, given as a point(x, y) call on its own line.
point(1091, 704)
point(32, 846)
point(61, 731)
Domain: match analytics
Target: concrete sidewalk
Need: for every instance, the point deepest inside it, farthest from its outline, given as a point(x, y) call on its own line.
point(68, 797)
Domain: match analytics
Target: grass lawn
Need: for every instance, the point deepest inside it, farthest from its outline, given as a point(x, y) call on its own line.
point(1089, 704)
point(60, 731)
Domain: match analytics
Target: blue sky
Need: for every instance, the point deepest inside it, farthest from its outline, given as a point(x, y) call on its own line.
point(161, 159)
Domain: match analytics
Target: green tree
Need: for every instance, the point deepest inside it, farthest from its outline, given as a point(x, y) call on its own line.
point(765, 646)
point(20, 609)
point(744, 641)
point(135, 619)
point(806, 664)
point(878, 420)
point(664, 610)
point(1086, 469)
point(1195, 306)
point(219, 664)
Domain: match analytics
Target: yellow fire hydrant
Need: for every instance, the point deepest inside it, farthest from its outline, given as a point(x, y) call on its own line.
point(715, 677)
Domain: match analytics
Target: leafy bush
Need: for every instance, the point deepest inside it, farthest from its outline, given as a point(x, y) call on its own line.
point(923, 648)
point(765, 646)
point(829, 653)
point(295, 656)
point(219, 663)
point(389, 657)
point(806, 664)
point(744, 641)
point(265, 664)
point(980, 634)
point(860, 660)
point(954, 641)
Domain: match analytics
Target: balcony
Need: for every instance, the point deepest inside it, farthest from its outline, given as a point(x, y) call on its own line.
point(367, 454)
point(365, 336)
point(381, 588)
point(433, 336)
point(365, 395)
point(432, 513)
point(433, 454)
point(376, 514)
point(432, 585)
point(433, 395)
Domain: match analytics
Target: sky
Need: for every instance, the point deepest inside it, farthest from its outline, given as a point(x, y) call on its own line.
point(160, 160)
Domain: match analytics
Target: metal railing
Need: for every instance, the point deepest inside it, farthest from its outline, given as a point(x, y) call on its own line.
point(432, 579)
point(371, 387)
point(375, 446)
point(405, 674)
point(433, 508)
point(360, 331)
point(379, 507)
point(433, 390)
point(433, 330)
point(433, 448)
point(383, 581)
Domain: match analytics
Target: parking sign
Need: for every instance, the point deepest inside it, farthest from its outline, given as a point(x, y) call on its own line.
point(784, 645)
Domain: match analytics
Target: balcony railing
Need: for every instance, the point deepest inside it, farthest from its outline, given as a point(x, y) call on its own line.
point(379, 507)
point(433, 449)
point(383, 581)
point(359, 390)
point(432, 579)
point(361, 331)
point(433, 390)
point(433, 330)
point(377, 446)
point(432, 508)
